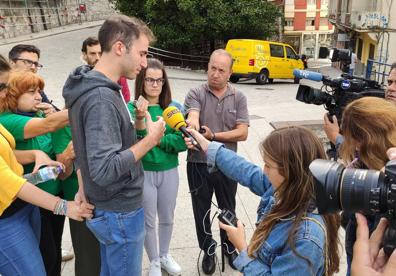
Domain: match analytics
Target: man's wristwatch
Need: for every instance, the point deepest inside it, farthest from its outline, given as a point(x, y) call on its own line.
point(213, 136)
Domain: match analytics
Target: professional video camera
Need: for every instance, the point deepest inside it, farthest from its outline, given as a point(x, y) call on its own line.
point(344, 56)
point(357, 190)
point(336, 93)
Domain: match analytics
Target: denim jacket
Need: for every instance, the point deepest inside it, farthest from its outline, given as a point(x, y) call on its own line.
point(274, 257)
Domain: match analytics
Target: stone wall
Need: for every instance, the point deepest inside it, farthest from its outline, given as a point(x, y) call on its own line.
point(21, 17)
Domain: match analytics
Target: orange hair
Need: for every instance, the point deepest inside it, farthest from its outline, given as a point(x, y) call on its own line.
point(19, 83)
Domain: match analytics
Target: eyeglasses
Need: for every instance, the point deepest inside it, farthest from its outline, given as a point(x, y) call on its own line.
point(3, 86)
point(29, 62)
point(151, 81)
point(390, 82)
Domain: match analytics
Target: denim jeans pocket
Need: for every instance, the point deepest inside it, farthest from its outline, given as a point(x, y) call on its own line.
point(100, 227)
point(132, 225)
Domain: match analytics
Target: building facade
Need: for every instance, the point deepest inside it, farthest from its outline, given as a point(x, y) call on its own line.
point(306, 26)
point(368, 28)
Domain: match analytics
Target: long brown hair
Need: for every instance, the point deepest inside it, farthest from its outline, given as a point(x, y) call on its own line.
point(293, 149)
point(165, 97)
point(19, 83)
point(369, 127)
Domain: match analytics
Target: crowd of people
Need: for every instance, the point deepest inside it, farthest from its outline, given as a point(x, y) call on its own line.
point(120, 180)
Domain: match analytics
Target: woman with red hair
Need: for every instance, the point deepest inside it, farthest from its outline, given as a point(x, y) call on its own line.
point(22, 99)
point(19, 220)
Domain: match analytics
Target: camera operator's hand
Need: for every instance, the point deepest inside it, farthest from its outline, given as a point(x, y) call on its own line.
point(391, 152)
point(331, 129)
point(368, 257)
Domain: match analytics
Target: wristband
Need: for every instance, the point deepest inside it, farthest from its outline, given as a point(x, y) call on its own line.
point(61, 207)
point(213, 136)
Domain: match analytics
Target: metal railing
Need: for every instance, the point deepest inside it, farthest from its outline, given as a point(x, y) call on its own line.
point(377, 70)
point(177, 59)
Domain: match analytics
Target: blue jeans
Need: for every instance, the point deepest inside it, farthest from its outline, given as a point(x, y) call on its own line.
point(121, 238)
point(19, 243)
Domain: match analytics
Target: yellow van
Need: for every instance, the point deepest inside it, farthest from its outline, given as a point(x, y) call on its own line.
point(263, 60)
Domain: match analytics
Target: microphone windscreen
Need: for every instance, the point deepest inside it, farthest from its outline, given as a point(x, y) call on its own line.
point(309, 75)
point(173, 117)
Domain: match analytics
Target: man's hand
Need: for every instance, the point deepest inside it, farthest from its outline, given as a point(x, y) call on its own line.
point(69, 151)
point(368, 257)
point(79, 197)
point(155, 130)
point(46, 108)
point(193, 119)
point(208, 134)
point(79, 211)
point(331, 129)
point(235, 235)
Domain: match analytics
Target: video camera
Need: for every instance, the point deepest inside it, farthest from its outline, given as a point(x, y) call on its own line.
point(357, 190)
point(342, 91)
point(344, 56)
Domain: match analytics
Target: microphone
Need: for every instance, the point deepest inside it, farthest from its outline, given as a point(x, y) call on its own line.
point(304, 74)
point(175, 119)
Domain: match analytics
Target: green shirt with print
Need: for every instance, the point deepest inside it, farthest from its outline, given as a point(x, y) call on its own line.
point(60, 140)
point(15, 124)
point(165, 155)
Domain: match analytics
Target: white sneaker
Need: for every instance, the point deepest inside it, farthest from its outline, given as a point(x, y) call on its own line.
point(67, 255)
point(170, 265)
point(155, 268)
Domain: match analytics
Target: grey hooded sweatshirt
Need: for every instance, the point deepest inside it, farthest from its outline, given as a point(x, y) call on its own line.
point(102, 134)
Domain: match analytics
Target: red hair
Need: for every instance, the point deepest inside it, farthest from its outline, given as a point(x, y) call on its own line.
point(19, 83)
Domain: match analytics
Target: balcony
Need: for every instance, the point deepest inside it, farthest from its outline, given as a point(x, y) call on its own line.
point(288, 28)
point(323, 28)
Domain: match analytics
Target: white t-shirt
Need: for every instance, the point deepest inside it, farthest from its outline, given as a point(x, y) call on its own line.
point(353, 61)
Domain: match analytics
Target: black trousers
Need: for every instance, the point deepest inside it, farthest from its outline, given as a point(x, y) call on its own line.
point(202, 185)
point(51, 241)
point(86, 249)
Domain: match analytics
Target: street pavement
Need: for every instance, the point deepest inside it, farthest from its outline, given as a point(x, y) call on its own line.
point(267, 104)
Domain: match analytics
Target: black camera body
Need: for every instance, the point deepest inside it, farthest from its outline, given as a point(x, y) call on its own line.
point(344, 90)
point(357, 190)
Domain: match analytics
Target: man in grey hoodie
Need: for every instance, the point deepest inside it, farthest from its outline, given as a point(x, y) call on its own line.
point(104, 139)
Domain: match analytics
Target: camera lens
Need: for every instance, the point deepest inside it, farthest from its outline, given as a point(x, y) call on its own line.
point(311, 95)
point(338, 188)
point(360, 190)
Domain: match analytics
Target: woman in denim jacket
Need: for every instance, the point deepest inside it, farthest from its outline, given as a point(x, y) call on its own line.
point(290, 238)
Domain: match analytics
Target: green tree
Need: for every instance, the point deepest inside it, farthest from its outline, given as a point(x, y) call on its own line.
point(181, 24)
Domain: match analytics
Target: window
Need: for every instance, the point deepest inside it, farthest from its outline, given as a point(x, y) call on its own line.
point(277, 50)
point(289, 22)
point(311, 2)
point(290, 53)
point(310, 22)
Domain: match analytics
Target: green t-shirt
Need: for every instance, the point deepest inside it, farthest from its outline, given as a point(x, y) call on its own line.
point(60, 140)
point(165, 155)
point(15, 124)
